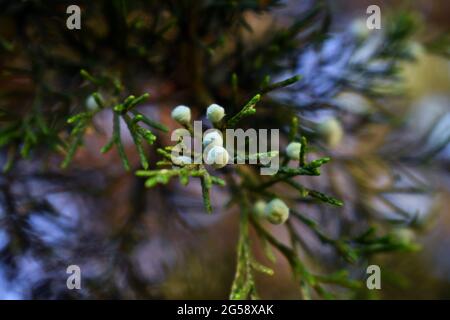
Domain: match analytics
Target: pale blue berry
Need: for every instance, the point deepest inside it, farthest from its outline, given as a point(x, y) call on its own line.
point(182, 114)
point(213, 138)
point(277, 212)
point(215, 113)
point(293, 150)
point(217, 157)
point(91, 104)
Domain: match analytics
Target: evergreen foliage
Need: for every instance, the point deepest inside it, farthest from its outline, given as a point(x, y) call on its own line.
point(199, 53)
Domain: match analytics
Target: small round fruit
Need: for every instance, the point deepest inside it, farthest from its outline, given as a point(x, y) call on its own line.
point(181, 114)
point(213, 138)
point(215, 113)
point(217, 157)
point(277, 212)
point(293, 150)
point(259, 208)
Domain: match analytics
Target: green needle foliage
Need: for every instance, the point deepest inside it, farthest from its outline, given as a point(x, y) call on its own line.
point(247, 110)
point(55, 84)
point(250, 189)
point(124, 110)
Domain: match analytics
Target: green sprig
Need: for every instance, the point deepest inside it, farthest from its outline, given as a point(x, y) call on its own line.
point(247, 110)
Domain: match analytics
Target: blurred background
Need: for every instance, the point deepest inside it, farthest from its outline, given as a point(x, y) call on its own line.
point(423, 275)
point(388, 137)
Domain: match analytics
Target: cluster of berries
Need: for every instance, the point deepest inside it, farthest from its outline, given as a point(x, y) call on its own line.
point(217, 155)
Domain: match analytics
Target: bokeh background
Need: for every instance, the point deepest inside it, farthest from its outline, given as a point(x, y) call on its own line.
point(425, 274)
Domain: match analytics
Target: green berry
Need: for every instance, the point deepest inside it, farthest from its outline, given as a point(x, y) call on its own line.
point(259, 208)
point(332, 132)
